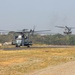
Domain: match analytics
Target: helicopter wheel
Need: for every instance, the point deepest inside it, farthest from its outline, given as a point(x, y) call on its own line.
point(28, 46)
point(17, 46)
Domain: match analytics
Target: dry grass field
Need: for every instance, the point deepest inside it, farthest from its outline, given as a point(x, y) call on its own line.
point(19, 62)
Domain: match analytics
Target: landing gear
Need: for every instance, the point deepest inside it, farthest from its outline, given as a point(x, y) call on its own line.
point(67, 33)
point(17, 45)
point(28, 46)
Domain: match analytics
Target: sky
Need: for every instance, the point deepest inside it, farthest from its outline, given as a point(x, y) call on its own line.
point(44, 14)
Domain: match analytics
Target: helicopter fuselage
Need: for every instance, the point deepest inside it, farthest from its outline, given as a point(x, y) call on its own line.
point(67, 30)
point(21, 41)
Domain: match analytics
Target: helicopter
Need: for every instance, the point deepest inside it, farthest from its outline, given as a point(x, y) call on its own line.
point(67, 30)
point(23, 37)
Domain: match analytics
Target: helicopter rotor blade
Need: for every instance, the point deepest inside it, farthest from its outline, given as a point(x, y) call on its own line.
point(60, 26)
point(43, 31)
point(72, 27)
point(65, 27)
point(32, 30)
point(4, 30)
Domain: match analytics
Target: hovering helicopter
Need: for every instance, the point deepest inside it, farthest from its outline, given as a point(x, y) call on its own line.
point(67, 30)
point(23, 39)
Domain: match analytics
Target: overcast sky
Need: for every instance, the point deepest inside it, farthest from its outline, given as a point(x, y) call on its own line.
point(44, 14)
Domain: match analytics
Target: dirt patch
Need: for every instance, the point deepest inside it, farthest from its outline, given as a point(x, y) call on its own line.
point(64, 69)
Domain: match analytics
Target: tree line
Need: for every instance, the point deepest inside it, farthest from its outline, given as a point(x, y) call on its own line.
point(57, 39)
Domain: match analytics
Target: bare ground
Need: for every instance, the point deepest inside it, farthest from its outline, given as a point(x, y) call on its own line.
point(64, 69)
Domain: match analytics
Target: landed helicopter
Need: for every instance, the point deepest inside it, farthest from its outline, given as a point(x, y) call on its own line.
point(23, 37)
point(67, 30)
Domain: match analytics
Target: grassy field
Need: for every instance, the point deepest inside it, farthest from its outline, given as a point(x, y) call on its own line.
point(19, 62)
